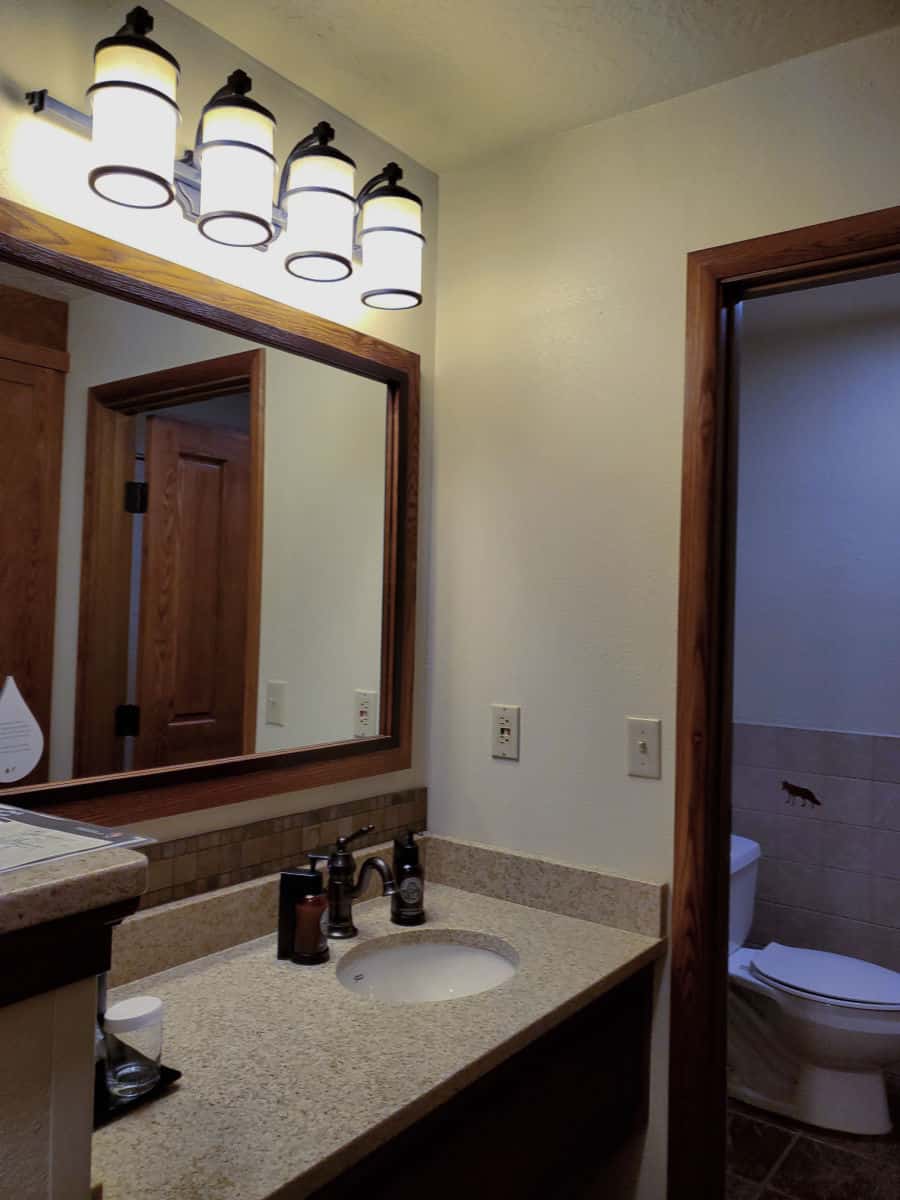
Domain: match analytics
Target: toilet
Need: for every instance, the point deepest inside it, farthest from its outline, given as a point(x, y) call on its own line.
point(809, 1032)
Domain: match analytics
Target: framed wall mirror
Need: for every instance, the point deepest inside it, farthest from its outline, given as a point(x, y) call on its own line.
point(208, 506)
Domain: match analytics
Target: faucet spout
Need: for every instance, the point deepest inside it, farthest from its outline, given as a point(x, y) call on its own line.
point(375, 863)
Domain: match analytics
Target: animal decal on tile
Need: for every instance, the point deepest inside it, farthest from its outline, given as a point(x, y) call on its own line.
point(807, 798)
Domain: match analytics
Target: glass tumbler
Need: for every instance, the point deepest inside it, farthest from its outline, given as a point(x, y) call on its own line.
point(133, 1030)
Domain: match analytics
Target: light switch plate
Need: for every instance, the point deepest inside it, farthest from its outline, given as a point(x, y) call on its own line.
point(505, 731)
point(365, 718)
point(642, 739)
point(275, 702)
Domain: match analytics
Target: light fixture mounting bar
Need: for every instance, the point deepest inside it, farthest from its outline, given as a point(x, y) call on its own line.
point(187, 174)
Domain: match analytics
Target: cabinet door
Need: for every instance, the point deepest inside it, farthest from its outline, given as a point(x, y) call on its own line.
point(31, 424)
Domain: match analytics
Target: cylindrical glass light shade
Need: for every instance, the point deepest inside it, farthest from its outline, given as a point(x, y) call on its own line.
point(135, 117)
point(392, 244)
point(319, 201)
point(237, 167)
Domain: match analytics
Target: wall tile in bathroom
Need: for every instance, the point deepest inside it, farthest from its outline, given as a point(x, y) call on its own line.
point(850, 847)
point(184, 867)
point(886, 805)
point(885, 902)
point(886, 759)
point(824, 752)
point(846, 894)
point(189, 866)
point(759, 826)
point(753, 745)
point(797, 885)
point(756, 788)
point(800, 840)
point(886, 854)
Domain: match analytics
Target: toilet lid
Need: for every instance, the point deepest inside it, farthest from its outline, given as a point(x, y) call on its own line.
point(833, 976)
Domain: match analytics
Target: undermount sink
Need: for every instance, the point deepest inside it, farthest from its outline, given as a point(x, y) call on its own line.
point(415, 968)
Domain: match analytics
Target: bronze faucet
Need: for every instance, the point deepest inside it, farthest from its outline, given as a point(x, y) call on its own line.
point(343, 889)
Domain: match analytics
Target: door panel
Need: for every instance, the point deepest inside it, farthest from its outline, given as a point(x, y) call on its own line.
point(193, 624)
point(31, 420)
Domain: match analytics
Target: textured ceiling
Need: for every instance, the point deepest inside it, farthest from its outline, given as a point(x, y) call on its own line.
point(452, 81)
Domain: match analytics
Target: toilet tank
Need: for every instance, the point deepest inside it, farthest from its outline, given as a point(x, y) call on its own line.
point(744, 866)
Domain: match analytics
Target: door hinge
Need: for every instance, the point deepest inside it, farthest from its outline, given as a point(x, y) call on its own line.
point(135, 497)
point(128, 720)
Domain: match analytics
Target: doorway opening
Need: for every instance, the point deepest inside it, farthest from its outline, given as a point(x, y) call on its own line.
point(171, 567)
point(719, 281)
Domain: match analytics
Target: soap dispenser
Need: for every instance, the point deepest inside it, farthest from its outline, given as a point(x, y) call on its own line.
point(407, 903)
point(302, 908)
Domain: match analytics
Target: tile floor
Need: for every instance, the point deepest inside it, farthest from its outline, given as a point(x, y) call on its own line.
point(772, 1158)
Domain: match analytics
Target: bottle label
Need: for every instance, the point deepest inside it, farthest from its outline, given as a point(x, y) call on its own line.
point(411, 891)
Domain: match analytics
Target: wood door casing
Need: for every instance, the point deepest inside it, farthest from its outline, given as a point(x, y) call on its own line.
point(836, 251)
point(31, 417)
point(106, 541)
point(193, 619)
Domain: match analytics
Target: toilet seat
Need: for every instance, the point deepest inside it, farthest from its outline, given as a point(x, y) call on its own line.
point(833, 979)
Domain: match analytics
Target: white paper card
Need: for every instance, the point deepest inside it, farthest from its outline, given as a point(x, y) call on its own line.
point(21, 844)
point(21, 739)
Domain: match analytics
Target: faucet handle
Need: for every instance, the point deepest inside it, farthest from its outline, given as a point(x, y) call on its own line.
point(343, 842)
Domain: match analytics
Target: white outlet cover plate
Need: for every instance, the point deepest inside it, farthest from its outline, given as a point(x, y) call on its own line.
point(505, 731)
point(365, 714)
point(642, 736)
point(275, 702)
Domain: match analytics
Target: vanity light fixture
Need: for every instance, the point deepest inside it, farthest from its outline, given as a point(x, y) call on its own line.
point(235, 149)
point(224, 184)
point(391, 241)
point(319, 202)
point(135, 116)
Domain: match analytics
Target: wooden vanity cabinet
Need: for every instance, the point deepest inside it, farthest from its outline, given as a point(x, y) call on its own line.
point(542, 1124)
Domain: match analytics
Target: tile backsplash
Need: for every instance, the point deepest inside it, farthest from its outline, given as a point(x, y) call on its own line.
point(829, 876)
point(208, 861)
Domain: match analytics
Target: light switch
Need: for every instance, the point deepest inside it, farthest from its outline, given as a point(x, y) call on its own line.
point(505, 731)
point(275, 702)
point(643, 738)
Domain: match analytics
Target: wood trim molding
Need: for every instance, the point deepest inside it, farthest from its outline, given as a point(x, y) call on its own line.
point(717, 278)
point(35, 356)
point(53, 247)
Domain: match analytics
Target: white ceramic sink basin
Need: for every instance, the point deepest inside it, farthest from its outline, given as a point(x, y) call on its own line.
point(414, 968)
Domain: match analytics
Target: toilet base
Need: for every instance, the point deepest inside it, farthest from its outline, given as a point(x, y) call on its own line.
point(847, 1101)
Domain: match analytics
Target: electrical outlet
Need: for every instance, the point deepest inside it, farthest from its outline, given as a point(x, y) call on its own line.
point(642, 736)
point(365, 714)
point(505, 731)
point(275, 702)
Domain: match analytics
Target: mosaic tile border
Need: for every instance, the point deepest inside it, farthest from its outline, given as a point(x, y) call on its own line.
point(209, 861)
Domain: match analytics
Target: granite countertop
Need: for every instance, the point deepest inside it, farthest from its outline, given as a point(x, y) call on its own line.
point(289, 1078)
point(62, 887)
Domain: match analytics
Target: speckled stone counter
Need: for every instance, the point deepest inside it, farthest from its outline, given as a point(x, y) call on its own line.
point(289, 1078)
point(62, 887)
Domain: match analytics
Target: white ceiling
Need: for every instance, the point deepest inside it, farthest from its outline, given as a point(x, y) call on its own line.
point(453, 81)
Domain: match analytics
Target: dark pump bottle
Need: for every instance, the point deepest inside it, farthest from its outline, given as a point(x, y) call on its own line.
point(408, 901)
point(302, 905)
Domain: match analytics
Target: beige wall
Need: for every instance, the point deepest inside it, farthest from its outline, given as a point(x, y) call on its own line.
point(557, 438)
point(50, 43)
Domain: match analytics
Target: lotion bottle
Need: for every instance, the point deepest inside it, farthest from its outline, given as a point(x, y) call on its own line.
point(408, 901)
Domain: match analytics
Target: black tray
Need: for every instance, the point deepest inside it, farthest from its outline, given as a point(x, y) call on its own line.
point(109, 1108)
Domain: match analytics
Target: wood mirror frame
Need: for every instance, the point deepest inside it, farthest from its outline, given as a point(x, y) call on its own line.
point(52, 247)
